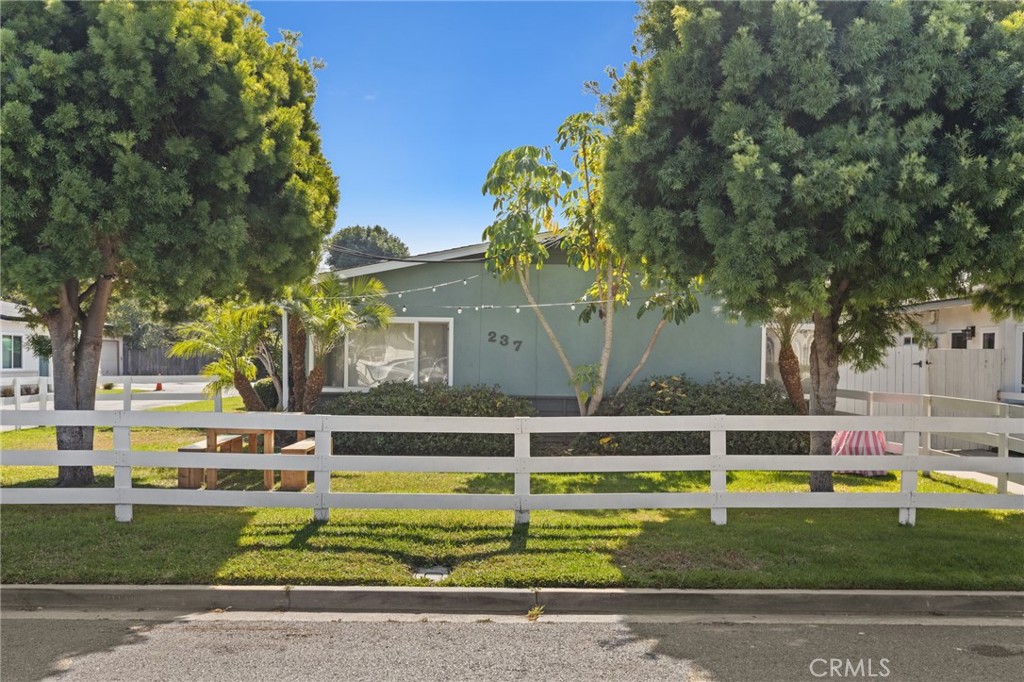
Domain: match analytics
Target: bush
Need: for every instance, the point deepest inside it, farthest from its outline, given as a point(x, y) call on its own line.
point(265, 390)
point(109, 386)
point(434, 400)
point(677, 395)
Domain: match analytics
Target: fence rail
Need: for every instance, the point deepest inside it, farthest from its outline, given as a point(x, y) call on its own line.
point(718, 499)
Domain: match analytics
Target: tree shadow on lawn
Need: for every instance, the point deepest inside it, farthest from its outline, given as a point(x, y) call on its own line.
point(84, 544)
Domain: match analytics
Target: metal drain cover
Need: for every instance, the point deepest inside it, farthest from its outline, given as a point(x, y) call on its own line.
point(434, 573)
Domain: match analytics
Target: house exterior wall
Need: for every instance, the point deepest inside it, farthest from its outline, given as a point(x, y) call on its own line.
point(702, 346)
point(29, 362)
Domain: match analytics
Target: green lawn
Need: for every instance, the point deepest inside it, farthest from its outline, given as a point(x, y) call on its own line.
point(840, 548)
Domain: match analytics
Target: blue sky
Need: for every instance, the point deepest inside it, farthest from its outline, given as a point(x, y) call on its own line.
point(419, 98)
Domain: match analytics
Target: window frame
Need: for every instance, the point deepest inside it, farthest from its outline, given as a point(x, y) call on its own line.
point(415, 321)
point(20, 354)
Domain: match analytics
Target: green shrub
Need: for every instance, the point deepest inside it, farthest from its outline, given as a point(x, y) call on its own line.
point(265, 390)
point(109, 386)
point(435, 400)
point(677, 395)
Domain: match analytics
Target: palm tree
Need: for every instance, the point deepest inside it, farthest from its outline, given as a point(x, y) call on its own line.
point(231, 331)
point(326, 309)
point(784, 325)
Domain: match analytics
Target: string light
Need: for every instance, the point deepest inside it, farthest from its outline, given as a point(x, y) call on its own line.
point(403, 308)
point(460, 311)
point(517, 310)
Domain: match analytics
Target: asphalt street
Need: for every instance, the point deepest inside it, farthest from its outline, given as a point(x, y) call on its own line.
point(228, 647)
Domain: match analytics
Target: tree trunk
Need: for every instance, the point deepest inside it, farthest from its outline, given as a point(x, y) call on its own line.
point(76, 363)
point(606, 346)
point(314, 386)
point(250, 398)
point(789, 368)
point(643, 358)
point(524, 282)
point(297, 360)
point(824, 384)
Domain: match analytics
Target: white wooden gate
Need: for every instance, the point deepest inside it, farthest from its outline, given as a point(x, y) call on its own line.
point(961, 373)
point(902, 371)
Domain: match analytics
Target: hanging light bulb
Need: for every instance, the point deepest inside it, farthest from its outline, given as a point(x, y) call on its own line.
point(399, 294)
point(517, 309)
point(572, 306)
point(460, 311)
point(477, 308)
point(403, 308)
point(434, 290)
point(465, 281)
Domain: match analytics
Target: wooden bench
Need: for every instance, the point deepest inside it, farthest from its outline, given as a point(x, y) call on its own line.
point(193, 477)
point(297, 480)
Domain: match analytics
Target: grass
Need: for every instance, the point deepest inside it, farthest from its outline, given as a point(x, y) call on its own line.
point(758, 548)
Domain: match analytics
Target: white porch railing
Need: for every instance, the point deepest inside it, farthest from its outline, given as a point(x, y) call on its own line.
point(718, 499)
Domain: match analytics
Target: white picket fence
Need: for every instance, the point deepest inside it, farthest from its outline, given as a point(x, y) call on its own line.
point(520, 429)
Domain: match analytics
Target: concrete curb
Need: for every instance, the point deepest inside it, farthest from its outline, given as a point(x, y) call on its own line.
point(193, 598)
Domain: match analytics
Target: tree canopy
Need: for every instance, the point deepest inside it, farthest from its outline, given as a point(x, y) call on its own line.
point(529, 188)
point(353, 246)
point(838, 159)
point(165, 149)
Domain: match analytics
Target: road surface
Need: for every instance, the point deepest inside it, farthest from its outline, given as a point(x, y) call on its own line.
point(247, 647)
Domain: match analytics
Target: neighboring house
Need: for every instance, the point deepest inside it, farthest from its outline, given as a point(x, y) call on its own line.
point(19, 360)
point(969, 355)
point(457, 323)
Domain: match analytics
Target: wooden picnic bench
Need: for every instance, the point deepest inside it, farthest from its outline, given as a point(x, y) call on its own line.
point(192, 477)
point(297, 480)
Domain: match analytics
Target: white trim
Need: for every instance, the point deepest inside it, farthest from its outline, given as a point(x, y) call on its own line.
point(764, 356)
point(1018, 352)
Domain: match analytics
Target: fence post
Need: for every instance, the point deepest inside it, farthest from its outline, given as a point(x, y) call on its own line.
point(16, 387)
point(522, 475)
point(322, 474)
point(1004, 449)
point(718, 477)
point(926, 437)
point(44, 393)
point(218, 401)
point(127, 389)
point(122, 472)
point(908, 479)
point(870, 407)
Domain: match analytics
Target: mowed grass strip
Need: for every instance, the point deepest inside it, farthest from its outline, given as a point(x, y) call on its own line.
point(769, 548)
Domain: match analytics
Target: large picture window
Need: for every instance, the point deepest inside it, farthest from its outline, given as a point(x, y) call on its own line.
point(12, 352)
point(416, 350)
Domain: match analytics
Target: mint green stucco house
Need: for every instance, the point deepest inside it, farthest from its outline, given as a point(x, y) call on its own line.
point(457, 323)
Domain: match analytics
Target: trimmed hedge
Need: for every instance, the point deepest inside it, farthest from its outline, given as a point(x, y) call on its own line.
point(677, 395)
point(433, 400)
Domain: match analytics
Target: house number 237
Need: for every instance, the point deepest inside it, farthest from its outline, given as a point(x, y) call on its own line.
point(503, 340)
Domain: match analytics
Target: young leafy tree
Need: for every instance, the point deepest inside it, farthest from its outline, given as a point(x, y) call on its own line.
point(325, 309)
point(841, 159)
point(350, 247)
point(232, 333)
point(159, 148)
point(528, 188)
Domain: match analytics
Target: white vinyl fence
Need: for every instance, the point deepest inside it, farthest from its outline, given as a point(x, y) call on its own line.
point(522, 501)
point(43, 398)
